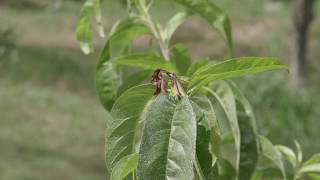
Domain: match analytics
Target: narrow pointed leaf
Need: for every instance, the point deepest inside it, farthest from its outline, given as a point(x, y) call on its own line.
point(206, 117)
point(299, 152)
point(314, 159)
point(122, 133)
point(107, 83)
point(168, 143)
point(233, 68)
point(125, 35)
point(107, 79)
point(121, 35)
point(288, 154)
point(249, 135)
point(205, 139)
point(97, 9)
point(181, 58)
point(224, 96)
point(195, 66)
point(84, 27)
point(249, 148)
point(174, 23)
point(241, 98)
point(125, 166)
point(273, 154)
point(248, 143)
point(312, 168)
point(213, 15)
point(145, 61)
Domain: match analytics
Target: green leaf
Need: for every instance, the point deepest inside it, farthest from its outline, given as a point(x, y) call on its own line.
point(273, 154)
point(246, 105)
point(84, 27)
point(213, 15)
point(268, 173)
point(134, 80)
point(314, 159)
point(207, 138)
point(122, 133)
point(249, 148)
point(226, 170)
point(107, 79)
point(121, 35)
point(197, 65)
point(224, 96)
point(312, 168)
point(145, 61)
point(248, 131)
point(288, 154)
point(207, 119)
point(125, 166)
point(313, 176)
point(198, 174)
point(107, 84)
point(233, 68)
point(174, 23)
point(167, 148)
point(97, 9)
point(181, 58)
point(257, 176)
point(299, 152)
point(125, 35)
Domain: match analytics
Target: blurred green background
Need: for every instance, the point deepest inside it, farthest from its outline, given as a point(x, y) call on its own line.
point(51, 122)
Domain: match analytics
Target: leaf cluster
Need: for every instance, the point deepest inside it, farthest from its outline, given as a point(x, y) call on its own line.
point(199, 125)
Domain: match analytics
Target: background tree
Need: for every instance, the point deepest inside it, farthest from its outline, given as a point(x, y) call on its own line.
point(303, 16)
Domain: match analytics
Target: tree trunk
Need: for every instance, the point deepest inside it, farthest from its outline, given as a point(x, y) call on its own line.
point(303, 16)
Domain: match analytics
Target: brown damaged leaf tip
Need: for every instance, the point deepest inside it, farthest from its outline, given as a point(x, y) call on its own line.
point(160, 83)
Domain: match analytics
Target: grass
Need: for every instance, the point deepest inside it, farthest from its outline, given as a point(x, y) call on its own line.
point(65, 68)
point(52, 125)
point(50, 133)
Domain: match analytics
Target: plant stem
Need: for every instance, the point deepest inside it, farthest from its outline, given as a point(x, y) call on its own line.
point(156, 32)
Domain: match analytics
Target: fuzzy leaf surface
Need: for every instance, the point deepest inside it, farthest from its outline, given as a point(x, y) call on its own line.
point(168, 143)
point(122, 133)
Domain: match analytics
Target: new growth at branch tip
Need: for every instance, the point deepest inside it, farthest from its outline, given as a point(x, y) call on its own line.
point(159, 78)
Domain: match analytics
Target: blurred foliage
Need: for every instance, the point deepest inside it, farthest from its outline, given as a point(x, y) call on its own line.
point(35, 4)
point(7, 45)
point(283, 115)
point(25, 4)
